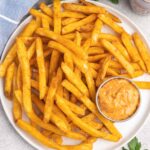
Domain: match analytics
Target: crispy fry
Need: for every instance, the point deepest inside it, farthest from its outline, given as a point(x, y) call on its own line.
point(46, 9)
point(25, 68)
point(41, 68)
point(97, 57)
point(86, 28)
point(31, 50)
point(143, 50)
point(142, 84)
point(9, 80)
point(72, 14)
point(86, 45)
point(67, 43)
point(113, 17)
point(133, 52)
point(109, 37)
point(68, 60)
point(96, 30)
point(102, 72)
point(18, 96)
point(37, 13)
point(118, 56)
point(72, 26)
point(78, 39)
point(74, 79)
point(57, 139)
point(107, 20)
point(57, 16)
point(112, 72)
point(84, 9)
point(50, 98)
point(68, 21)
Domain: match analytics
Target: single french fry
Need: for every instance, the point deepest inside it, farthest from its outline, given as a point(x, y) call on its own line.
point(9, 80)
point(98, 57)
point(68, 21)
point(27, 31)
point(78, 122)
point(45, 24)
point(94, 73)
point(107, 20)
point(74, 79)
point(37, 135)
point(57, 16)
point(86, 28)
point(26, 75)
point(84, 9)
point(16, 109)
point(72, 26)
point(78, 39)
point(118, 56)
point(143, 84)
point(102, 72)
point(50, 98)
point(122, 49)
point(95, 51)
point(55, 56)
point(18, 96)
point(47, 10)
point(86, 3)
point(41, 68)
point(72, 14)
point(143, 50)
point(138, 73)
point(37, 13)
point(91, 84)
point(96, 30)
point(133, 52)
point(92, 107)
point(115, 64)
point(109, 37)
point(67, 43)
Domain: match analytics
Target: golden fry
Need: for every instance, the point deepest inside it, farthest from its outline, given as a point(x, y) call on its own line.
point(41, 68)
point(57, 16)
point(68, 21)
point(45, 24)
point(26, 75)
point(9, 80)
point(72, 14)
point(142, 84)
point(143, 50)
point(84, 9)
point(96, 30)
point(107, 20)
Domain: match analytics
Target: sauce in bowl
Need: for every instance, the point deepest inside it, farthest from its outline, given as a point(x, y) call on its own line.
point(118, 99)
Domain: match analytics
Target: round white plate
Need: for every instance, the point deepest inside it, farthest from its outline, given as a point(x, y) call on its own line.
point(128, 128)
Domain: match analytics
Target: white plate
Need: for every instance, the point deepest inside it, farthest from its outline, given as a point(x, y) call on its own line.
point(128, 128)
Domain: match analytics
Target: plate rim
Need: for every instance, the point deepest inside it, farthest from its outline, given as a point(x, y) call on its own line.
point(11, 38)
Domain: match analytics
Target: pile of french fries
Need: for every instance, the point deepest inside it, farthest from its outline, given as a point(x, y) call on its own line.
point(52, 71)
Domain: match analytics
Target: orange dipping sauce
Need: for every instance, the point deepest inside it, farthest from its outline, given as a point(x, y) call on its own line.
point(118, 99)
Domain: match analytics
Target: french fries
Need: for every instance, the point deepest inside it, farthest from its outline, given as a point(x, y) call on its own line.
point(55, 65)
point(72, 26)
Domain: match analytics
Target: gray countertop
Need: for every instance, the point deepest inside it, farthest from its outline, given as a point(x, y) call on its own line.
point(10, 140)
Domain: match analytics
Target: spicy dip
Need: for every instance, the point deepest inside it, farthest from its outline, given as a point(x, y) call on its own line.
point(118, 99)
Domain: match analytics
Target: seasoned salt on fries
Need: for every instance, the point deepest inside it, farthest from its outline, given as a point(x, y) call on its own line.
point(57, 62)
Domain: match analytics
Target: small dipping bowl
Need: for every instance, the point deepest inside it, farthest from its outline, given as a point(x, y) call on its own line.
point(99, 105)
